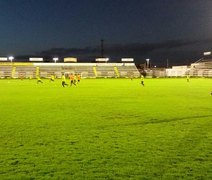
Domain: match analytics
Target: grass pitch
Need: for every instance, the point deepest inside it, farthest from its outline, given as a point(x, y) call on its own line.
point(106, 129)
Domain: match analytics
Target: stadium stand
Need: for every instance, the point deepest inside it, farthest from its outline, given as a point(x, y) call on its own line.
point(6, 71)
point(24, 72)
point(87, 70)
point(47, 72)
point(128, 70)
point(201, 68)
point(105, 71)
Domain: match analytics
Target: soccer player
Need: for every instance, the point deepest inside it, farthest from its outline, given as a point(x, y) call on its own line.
point(75, 79)
point(72, 78)
point(39, 80)
point(52, 78)
point(188, 78)
point(78, 78)
point(64, 81)
point(142, 80)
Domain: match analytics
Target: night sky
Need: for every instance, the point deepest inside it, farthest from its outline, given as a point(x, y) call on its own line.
point(179, 30)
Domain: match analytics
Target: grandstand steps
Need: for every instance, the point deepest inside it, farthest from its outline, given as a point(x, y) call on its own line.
point(46, 70)
point(6, 71)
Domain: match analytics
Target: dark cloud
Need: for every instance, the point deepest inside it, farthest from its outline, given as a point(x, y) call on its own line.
point(178, 51)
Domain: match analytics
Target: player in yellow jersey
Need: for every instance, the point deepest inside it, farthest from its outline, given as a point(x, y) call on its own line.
point(39, 80)
point(188, 78)
point(52, 78)
point(142, 80)
point(64, 81)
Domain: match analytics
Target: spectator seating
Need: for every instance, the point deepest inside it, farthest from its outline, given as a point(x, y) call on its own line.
point(87, 70)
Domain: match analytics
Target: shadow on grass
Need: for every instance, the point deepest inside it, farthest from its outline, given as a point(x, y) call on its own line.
point(158, 121)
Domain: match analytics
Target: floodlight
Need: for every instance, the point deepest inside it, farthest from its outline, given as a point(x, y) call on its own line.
point(147, 63)
point(102, 59)
point(207, 53)
point(127, 59)
point(55, 59)
point(11, 58)
point(36, 59)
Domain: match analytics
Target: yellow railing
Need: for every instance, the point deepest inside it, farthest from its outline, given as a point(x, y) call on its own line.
point(13, 71)
point(94, 71)
point(116, 71)
point(37, 72)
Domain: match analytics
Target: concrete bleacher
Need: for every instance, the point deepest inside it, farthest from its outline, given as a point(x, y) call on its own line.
point(47, 72)
point(128, 70)
point(201, 68)
point(24, 71)
point(87, 70)
point(84, 70)
point(5, 71)
point(105, 71)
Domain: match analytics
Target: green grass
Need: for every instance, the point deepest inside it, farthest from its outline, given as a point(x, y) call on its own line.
point(106, 129)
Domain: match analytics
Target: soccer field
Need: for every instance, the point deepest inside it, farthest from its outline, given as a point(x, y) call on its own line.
point(106, 129)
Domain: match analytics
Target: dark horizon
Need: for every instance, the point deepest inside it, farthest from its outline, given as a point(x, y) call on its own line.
point(177, 52)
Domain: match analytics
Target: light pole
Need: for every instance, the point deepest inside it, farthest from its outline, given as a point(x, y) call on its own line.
point(147, 63)
point(167, 63)
point(55, 59)
point(207, 53)
point(11, 58)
